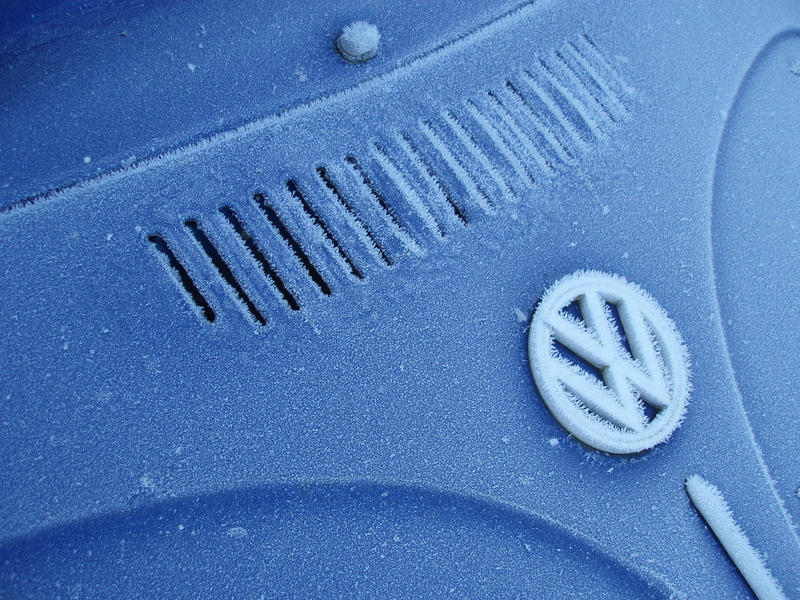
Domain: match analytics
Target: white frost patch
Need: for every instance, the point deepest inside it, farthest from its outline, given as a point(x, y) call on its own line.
point(710, 503)
point(87, 159)
point(521, 316)
point(191, 67)
point(147, 484)
point(553, 442)
point(358, 41)
point(237, 532)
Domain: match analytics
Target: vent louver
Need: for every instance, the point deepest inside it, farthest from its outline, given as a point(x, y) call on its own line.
point(412, 189)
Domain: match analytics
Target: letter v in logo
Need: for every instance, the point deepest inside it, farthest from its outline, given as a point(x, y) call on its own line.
point(608, 362)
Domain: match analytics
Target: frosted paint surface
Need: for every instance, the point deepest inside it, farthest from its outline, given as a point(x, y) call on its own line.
point(245, 545)
point(122, 397)
point(710, 503)
point(618, 388)
point(755, 217)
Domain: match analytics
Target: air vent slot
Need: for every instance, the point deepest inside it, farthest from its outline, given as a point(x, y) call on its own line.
point(518, 137)
point(373, 192)
point(182, 278)
point(224, 270)
point(295, 247)
point(433, 180)
point(573, 104)
point(230, 216)
point(406, 191)
point(589, 96)
point(548, 134)
point(291, 185)
point(452, 164)
point(499, 142)
point(356, 222)
point(557, 108)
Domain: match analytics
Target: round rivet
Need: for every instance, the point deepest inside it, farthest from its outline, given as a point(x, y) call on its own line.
point(358, 42)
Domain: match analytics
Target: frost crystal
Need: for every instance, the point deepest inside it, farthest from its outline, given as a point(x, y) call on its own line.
point(237, 532)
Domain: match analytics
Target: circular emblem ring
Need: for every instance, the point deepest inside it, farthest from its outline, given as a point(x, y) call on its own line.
point(608, 362)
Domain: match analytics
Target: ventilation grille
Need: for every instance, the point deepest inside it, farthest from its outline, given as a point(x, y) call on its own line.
point(283, 249)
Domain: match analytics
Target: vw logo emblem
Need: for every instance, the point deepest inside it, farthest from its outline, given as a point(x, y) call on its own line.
point(608, 362)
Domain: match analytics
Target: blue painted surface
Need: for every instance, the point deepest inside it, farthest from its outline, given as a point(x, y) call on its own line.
point(126, 413)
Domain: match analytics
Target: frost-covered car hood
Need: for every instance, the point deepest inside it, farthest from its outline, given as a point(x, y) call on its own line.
point(269, 318)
